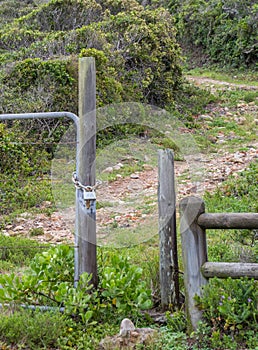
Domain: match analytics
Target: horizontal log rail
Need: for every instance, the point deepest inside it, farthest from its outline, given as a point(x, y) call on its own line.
point(228, 220)
point(233, 270)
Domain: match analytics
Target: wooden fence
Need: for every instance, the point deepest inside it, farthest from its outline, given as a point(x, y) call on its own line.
point(197, 269)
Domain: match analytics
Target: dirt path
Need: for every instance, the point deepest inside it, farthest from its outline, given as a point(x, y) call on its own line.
point(209, 82)
point(125, 198)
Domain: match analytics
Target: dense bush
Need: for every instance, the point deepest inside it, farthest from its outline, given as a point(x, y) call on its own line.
point(21, 172)
point(11, 9)
point(50, 82)
point(226, 30)
point(127, 73)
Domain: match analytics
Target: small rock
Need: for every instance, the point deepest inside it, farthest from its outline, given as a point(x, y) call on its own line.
point(240, 120)
point(46, 204)
point(147, 167)
point(13, 234)
point(108, 170)
point(19, 228)
point(118, 166)
point(212, 139)
point(206, 117)
point(25, 215)
point(21, 219)
point(129, 337)
point(48, 237)
point(126, 327)
point(134, 176)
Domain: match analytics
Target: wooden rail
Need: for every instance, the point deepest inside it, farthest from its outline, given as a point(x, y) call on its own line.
point(229, 220)
point(197, 269)
point(234, 270)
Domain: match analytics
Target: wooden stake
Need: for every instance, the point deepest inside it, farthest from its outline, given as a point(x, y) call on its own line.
point(86, 215)
point(169, 281)
point(194, 252)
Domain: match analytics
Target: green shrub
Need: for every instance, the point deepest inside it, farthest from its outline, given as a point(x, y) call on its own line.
point(230, 309)
point(32, 330)
point(21, 172)
point(49, 281)
point(226, 30)
point(56, 15)
point(11, 9)
point(121, 287)
point(237, 194)
point(112, 27)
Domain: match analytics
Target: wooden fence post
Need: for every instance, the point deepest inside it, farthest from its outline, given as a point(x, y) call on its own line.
point(194, 253)
point(169, 281)
point(86, 215)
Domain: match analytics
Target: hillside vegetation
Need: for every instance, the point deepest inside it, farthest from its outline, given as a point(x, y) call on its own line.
point(40, 51)
point(224, 31)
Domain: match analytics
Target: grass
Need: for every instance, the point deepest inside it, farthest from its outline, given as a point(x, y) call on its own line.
point(127, 236)
point(230, 123)
point(16, 252)
point(237, 194)
point(235, 76)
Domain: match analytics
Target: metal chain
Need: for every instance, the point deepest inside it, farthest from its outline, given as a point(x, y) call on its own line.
point(79, 185)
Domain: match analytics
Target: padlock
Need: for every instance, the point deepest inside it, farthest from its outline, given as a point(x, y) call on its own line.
point(89, 195)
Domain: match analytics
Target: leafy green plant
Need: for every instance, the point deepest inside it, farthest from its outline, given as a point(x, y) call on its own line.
point(230, 308)
point(168, 340)
point(121, 287)
point(176, 321)
point(49, 280)
point(21, 172)
point(80, 337)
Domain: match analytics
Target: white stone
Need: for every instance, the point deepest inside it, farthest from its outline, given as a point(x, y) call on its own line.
point(108, 170)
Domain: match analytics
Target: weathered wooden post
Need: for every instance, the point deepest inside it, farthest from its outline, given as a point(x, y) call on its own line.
point(169, 281)
point(194, 252)
point(86, 212)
